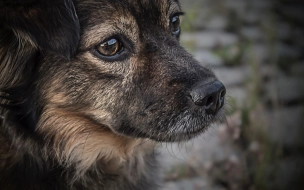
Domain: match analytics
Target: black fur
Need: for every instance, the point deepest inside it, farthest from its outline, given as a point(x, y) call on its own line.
point(58, 93)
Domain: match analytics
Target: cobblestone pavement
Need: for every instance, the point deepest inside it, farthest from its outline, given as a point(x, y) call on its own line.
point(256, 48)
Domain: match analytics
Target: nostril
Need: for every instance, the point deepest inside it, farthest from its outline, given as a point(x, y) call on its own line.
point(223, 93)
point(212, 103)
point(210, 96)
point(209, 102)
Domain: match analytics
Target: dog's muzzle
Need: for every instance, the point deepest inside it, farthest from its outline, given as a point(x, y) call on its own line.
point(210, 96)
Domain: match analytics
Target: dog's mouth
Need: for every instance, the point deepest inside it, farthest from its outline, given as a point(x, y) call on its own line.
point(203, 107)
point(187, 126)
point(173, 127)
point(177, 118)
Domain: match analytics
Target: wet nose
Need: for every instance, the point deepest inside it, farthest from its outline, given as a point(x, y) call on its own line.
point(210, 96)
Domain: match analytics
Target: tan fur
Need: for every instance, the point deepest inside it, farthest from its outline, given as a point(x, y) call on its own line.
point(24, 38)
point(126, 24)
point(86, 142)
point(80, 118)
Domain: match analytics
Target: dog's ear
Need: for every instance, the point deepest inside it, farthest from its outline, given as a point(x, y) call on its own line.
point(48, 25)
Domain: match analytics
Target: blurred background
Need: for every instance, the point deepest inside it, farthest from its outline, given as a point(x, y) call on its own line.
point(256, 48)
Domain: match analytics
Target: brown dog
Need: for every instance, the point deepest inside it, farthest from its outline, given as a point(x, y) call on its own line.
point(89, 86)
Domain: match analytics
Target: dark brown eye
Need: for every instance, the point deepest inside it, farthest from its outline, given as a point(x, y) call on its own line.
point(110, 47)
point(175, 25)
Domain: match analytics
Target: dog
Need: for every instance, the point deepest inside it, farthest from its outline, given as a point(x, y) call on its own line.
point(88, 88)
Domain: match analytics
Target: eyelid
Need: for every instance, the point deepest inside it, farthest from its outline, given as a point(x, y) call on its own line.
point(127, 45)
point(110, 37)
point(177, 14)
point(126, 42)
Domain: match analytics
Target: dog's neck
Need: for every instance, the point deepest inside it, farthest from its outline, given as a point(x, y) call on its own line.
point(126, 160)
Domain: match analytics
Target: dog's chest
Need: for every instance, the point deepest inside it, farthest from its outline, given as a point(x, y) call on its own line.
point(138, 173)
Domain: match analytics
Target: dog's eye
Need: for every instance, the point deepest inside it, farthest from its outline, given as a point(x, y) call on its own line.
point(110, 47)
point(175, 25)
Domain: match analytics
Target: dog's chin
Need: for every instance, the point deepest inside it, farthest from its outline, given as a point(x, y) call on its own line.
point(181, 128)
point(180, 136)
point(188, 126)
point(180, 133)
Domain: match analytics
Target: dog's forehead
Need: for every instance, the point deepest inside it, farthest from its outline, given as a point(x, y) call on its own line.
point(131, 17)
point(142, 10)
point(152, 6)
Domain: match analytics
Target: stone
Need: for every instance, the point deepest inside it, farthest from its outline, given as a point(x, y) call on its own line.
point(287, 174)
point(207, 58)
point(232, 76)
point(252, 33)
point(285, 89)
point(232, 54)
point(237, 95)
point(209, 39)
point(262, 5)
point(287, 52)
point(199, 18)
point(292, 12)
point(284, 31)
point(170, 186)
point(216, 23)
point(297, 69)
point(254, 146)
point(258, 52)
point(285, 126)
point(191, 184)
point(298, 37)
point(238, 5)
point(251, 18)
point(270, 71)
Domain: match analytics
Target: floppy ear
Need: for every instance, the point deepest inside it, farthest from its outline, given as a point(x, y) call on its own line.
point(48, 25)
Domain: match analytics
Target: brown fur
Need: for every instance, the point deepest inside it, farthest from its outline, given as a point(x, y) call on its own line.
point(74, 118)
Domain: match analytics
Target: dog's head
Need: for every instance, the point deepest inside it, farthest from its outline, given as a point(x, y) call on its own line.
point(129, 76)
point(133, 77)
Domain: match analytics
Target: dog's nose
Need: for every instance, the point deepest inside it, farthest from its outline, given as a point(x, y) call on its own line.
point(211, 96)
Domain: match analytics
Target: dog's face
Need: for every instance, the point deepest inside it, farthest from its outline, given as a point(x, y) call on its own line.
point(129, 75)
point(127, 80)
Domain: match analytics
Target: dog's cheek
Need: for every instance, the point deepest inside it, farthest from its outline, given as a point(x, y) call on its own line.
point(142, 113)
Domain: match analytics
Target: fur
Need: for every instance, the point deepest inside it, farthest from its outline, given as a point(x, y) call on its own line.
point(72, 118)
